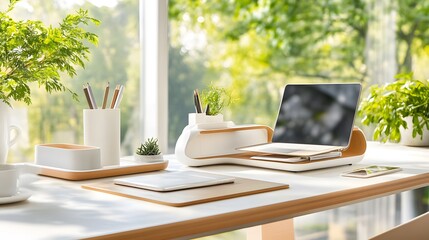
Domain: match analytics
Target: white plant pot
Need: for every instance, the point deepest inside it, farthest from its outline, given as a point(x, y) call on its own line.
point(407, 135)
point(148, 158)
point(202, 118)
point(203, 121)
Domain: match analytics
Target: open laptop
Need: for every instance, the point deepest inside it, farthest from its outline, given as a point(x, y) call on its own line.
point(313, 119)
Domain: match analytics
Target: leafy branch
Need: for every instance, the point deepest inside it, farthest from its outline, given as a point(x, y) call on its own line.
point(32, 52)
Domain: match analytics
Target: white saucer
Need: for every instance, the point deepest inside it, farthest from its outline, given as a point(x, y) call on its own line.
point(20, 196)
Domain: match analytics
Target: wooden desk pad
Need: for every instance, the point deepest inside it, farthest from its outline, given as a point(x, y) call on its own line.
point(110, 171)
point(181, 198)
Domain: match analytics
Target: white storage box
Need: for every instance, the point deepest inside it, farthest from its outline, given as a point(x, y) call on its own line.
point(68, 156)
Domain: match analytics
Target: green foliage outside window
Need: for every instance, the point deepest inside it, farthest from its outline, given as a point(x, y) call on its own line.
point(254, 48)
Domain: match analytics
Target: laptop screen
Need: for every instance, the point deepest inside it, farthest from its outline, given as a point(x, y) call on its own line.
point(320, 114)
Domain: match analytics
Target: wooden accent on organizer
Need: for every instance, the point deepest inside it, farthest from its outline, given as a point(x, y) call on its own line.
point(356, 147)
point(102, 173)
point(357, 144)
point(272, 213)
point(241, 128)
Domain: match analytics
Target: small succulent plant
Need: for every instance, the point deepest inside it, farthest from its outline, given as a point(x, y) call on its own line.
point(149, 147)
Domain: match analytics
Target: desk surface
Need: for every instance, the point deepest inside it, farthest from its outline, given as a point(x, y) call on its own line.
point(61, 209)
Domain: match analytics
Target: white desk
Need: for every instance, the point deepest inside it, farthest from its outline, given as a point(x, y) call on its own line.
point(61, 209)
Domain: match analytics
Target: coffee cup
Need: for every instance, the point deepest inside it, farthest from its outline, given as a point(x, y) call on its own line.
point(6, 129)
point(8, 180)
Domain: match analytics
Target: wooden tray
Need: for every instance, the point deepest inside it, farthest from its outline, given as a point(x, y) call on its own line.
point(125, 167)
point(241, 187)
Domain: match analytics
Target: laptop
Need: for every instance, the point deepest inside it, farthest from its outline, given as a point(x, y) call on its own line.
point(313, 119)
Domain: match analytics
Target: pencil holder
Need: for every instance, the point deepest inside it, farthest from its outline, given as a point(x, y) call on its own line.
point(102, 128)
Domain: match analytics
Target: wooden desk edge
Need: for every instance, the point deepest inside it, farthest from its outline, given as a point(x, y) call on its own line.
point(271, 213)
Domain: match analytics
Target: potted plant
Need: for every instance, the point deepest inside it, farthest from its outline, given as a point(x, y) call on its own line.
point(214, 99)
point(148, 151)
point(399, 111)
point(31, 52)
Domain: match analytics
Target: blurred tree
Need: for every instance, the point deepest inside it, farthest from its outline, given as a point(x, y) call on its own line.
point(412, 32)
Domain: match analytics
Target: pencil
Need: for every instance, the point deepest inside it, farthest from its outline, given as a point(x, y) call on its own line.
point(91, 96)
point(88, 99)
point(106, 94)
point(119, 98)
point(115, 95)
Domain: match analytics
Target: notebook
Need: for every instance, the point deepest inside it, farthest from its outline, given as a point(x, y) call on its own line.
point(294, 159)
point(313, 119)
point(173, 181)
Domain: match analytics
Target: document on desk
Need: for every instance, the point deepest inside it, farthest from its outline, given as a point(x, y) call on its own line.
point(173, 181)
point(291, 159)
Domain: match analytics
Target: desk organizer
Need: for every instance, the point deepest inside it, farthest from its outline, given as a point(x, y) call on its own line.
point(202, 144)
point(68, 156)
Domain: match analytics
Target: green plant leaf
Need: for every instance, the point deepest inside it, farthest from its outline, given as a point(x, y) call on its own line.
point(216, 98)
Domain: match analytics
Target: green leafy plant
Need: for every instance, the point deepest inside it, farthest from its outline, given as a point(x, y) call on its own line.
point(388, 105)
point(32, 52)
point(216, 98)
point(149, 147)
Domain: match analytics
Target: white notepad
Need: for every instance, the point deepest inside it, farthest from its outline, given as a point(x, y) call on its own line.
point(172, 181)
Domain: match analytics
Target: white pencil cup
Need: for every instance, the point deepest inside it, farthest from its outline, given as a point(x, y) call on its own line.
point(102, 128)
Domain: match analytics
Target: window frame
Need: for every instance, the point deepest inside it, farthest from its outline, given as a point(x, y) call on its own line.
point(154, 71)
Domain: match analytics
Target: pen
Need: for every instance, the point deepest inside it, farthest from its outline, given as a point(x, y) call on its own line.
point(91, 96)
point(119, 98)
point(115, 95)
point(106, 94)
point(207, 112)
point(197, 102)
point(88, 99)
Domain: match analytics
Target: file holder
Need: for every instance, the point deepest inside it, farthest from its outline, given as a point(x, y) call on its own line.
point(202, 144)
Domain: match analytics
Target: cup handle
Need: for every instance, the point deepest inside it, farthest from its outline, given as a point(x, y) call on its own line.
point(17, 134)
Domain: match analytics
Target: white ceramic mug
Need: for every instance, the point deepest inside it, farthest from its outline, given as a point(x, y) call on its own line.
point(102, 128)
point(5, 132)
point(8, 180)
